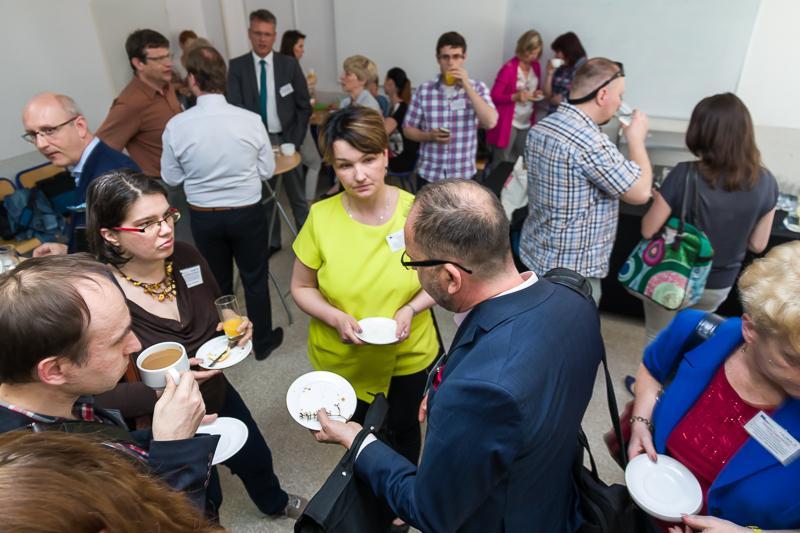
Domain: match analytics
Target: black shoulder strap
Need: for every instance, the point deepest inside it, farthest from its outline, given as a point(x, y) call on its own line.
point(570, 279)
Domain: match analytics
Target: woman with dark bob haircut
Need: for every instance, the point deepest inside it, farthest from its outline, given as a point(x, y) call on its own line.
point(734, 202)
point(558, 82)
point(170, 292)
point(348, 267)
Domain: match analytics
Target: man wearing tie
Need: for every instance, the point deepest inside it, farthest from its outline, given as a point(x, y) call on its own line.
point(273, 85)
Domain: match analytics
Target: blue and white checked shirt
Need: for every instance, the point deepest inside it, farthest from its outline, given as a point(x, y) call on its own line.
point(575, 178)
point(432, 107)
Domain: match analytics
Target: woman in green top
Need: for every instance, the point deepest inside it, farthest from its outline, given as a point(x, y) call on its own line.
point(348, 268)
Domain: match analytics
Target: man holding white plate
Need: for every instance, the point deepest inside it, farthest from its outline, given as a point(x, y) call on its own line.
point(505, 404)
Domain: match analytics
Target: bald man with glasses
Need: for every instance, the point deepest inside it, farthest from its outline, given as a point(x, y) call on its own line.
point(56, 126)
point(576, 177)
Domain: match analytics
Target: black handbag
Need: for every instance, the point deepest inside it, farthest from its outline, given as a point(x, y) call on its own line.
point(344, 503)
point(607, 508)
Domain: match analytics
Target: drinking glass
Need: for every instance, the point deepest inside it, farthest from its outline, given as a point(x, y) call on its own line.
point(230, 316)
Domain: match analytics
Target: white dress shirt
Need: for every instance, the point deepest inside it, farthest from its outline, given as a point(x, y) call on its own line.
point(219, 152)
point(273, 120)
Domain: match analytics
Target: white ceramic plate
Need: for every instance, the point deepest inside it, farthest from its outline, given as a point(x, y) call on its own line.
point(378, 330)
point(539, 99)
point(232, 436)
point(316, 390)
point(212, 348)
point(663, 489)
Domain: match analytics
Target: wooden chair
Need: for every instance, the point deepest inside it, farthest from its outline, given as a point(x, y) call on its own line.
point(28, 178)
point(6, 187)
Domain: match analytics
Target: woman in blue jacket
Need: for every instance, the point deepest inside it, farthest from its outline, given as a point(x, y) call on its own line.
point(750, 365)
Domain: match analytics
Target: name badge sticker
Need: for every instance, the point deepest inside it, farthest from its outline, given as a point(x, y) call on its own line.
point(458, 104)
point(396, 240)
point(286, 90)
point(192, 276)
point(777, 441)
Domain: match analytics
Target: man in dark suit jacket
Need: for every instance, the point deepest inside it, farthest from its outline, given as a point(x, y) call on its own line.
point(58, 129)
point(505, 404)
point(285, 107)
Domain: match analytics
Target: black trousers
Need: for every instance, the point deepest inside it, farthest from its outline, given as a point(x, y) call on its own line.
point(401, 427)
point(253, 464)
point(240, 235)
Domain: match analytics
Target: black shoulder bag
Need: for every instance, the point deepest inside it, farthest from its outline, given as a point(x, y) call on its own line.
point(344, 503)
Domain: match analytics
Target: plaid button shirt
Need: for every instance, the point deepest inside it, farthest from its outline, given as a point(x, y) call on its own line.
point(575, 177)
point(432, 107)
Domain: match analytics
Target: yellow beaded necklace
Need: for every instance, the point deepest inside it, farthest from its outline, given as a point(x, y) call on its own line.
point(159, 290)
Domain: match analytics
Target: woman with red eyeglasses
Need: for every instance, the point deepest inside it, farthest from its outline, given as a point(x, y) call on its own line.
point(170, 292)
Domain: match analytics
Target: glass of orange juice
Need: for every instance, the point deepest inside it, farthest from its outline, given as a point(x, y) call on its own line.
point(229, 315)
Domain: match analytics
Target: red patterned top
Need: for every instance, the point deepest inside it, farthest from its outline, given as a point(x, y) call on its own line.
point(712, 431)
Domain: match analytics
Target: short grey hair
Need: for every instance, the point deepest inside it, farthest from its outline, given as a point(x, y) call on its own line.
point(69, 105)
point(462, 221)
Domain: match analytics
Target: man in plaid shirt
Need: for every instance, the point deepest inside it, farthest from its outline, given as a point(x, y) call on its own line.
point(66, 335)
point(576, 177)
point(445, 114)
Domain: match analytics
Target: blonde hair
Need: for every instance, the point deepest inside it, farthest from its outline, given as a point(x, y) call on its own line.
point(770, 293)
point(55, 481)
point(363, 67)
point(529, 41)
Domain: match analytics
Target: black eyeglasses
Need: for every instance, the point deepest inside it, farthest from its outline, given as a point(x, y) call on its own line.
point(583, 99)
point(406, 262)
point(46, 132)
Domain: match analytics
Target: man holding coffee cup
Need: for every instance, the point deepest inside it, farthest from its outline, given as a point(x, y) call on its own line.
point(445, 113)
point(224, 193)
point(576, 177)
point(67, 336)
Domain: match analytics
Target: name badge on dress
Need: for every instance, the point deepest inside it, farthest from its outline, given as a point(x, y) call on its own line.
point(773, 437)
point(286, 90)
point(396, 240)
point(458, 104)
point(192, 276)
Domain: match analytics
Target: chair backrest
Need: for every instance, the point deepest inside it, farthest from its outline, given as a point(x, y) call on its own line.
point(6, 187)
point(28, 178)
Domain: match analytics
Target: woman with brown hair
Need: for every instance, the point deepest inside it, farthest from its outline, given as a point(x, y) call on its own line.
point(569, 56)
point(348, 268)
point(60, 482)
point(733, 200)
point(402, 150)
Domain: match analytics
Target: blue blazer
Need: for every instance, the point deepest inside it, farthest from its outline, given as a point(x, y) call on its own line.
point(503, 424)
point(754, 487)
point(102, 159)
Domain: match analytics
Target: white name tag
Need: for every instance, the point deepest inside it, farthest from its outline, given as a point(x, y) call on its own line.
point(396, 240)
point(773, 437)
point(286, 90)
point(192, 276)
point(458, 105)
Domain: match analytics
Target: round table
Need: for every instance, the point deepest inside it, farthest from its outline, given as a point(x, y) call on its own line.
point(285, 163)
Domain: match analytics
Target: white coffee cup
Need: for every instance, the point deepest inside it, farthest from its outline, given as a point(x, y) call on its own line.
point(556, 62)
point(287, 149)
point(156, 378)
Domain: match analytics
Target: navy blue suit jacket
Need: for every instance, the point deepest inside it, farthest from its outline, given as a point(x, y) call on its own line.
point(753, 487)
point(102, 159)
point(502, 427)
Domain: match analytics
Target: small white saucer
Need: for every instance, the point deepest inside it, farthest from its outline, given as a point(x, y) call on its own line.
point(664, 489)
point(212, 348)
point(232, 436)
point(317, 390)
point(378, 330)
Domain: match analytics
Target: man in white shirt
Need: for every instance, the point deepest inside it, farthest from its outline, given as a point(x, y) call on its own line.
point(274, 86)
point(221, 153)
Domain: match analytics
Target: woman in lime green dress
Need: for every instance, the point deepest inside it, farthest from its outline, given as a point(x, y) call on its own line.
point(348, 268)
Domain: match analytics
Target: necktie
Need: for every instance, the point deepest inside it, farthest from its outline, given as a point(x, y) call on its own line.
point(263, 95)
